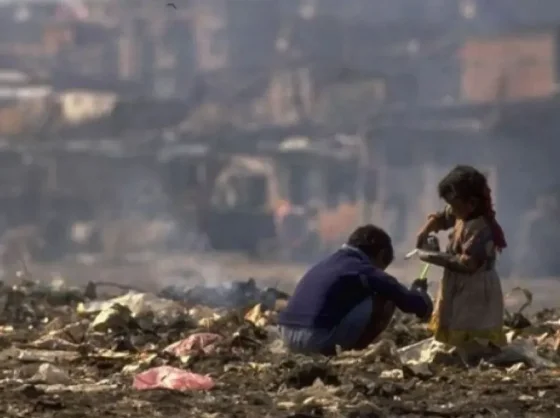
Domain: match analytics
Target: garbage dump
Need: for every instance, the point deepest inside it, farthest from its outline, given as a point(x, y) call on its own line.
point(70, 352)
point(225, 295)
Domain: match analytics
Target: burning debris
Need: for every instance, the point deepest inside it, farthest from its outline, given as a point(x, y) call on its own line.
point(213, 352)
point(226, 295)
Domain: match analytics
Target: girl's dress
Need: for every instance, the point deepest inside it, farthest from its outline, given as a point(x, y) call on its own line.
point(469, 308)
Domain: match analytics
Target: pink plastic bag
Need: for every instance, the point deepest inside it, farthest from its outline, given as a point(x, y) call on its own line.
point(204, 341)
point(166, 377)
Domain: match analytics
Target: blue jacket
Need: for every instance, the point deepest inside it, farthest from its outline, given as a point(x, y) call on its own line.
point(334, 286)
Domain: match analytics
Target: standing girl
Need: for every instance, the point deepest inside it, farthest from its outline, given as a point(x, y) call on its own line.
point(469, 308)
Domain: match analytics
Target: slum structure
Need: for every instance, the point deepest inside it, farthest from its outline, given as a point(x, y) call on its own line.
point(500, 117)
point(54, 186)
point(114, 197)
point(248, 196)
point(423, 105)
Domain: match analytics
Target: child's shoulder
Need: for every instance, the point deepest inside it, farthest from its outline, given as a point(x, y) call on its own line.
point(475, 226)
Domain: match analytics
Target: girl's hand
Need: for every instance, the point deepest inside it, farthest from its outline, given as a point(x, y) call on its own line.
point(429, 227)
point(421, 238)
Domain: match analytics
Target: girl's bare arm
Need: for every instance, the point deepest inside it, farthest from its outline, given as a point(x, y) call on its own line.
point(477, 249)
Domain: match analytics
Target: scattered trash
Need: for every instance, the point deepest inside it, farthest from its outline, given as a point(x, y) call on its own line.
point(204, 342)
point(258, 316)
point(396, 374)
point(384, 350)
point(88, 352)
point(516, 368)
point(51, 375)
point(6, 329)
point(518, 299)
point(49, 342)
point(427, 351)
point(74, 333)
point(166, 377)
point(79, 388)
point(420, 370)
point(45, 356)
point(116, 317)
point(138, 304)
point(204, 316)
point(521, 351)
point(237, 294)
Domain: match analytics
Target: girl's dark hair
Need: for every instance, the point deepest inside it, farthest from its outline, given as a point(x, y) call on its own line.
point(371, 240)
point(467, 183)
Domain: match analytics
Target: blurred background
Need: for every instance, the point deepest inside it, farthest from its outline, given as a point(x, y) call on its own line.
point(259, 133)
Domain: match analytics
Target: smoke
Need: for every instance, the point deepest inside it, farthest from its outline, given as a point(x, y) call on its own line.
point(410, 44)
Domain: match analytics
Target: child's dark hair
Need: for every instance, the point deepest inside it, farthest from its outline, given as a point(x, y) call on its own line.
point(371, 240)
point(466, 183)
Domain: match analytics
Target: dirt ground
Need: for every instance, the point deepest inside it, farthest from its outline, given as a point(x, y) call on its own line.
point(252, 378)
point(280, 391)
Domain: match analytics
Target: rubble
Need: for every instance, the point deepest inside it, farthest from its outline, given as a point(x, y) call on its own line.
point(225, 295)
point(138, 304)
point(148, 355)
point(51, 375)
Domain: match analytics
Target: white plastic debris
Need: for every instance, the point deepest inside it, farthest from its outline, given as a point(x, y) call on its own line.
point(425, 351)
point(395, 374)
point(138, 304)
point(45, 356)
point(78, 388)
point(201, 341)
point(554, 324)
point(516, 368)
point(51, 375)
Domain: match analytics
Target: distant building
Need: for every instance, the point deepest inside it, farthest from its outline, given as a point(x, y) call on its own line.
point(516, 65)
point(80, 106)
point(24, 104)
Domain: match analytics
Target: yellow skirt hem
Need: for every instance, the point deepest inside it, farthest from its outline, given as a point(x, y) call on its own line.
point(457, 338)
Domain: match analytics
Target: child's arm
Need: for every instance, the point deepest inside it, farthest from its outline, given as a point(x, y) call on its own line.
point(407, 300)
point(478, 248)
point(439, 221)
point(452, 262)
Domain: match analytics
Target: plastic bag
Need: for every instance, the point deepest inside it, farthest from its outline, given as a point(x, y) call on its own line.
point(166, 377)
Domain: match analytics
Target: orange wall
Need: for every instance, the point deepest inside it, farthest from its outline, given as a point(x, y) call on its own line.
point(524, 65)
